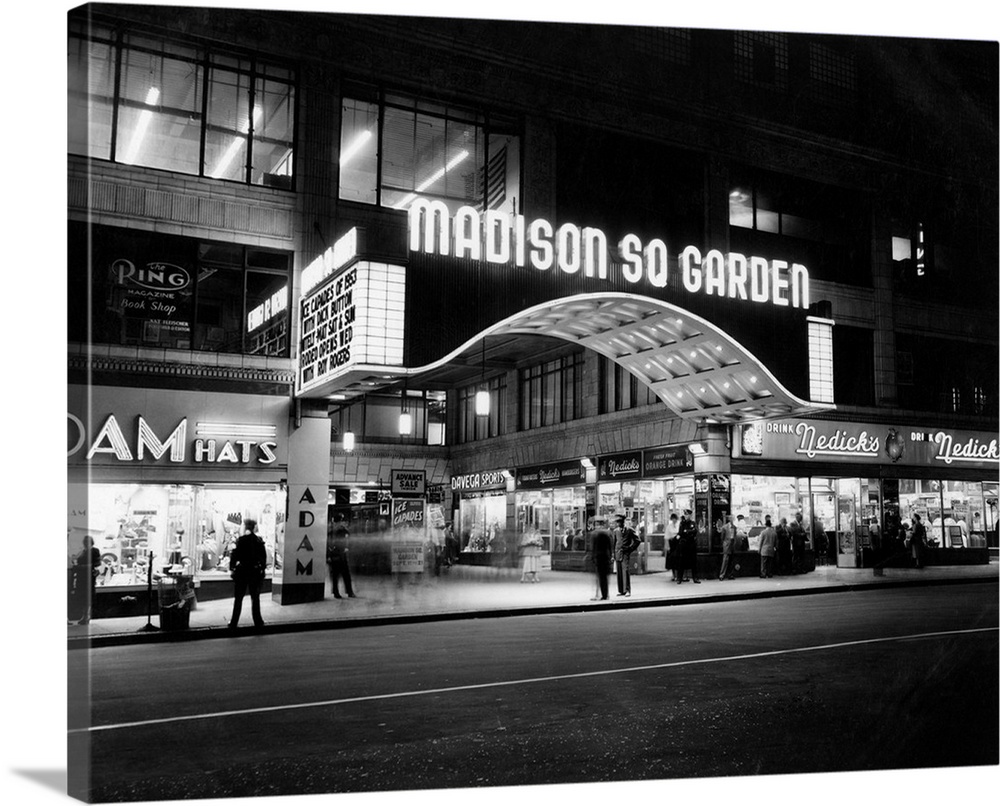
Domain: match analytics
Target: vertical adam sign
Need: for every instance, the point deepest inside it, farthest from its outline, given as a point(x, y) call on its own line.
point(303, 566)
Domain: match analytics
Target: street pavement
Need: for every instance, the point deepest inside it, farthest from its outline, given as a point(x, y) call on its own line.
point(472, 592)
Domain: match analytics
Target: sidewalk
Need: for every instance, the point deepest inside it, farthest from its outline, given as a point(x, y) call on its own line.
point(468, 592)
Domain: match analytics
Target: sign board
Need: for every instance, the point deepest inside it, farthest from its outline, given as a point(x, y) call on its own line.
point(552, 475)
point(408, 482)
point(838, 441)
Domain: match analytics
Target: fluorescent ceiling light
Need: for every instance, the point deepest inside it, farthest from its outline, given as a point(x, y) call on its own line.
point(143, 123)
point(351, 151)
point(433, 178)
point(234, 146)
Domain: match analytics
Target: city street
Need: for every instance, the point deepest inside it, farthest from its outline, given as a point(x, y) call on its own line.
point(861, 680)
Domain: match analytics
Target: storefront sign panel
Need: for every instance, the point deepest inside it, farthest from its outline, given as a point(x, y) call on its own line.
point(620, 466)
point(552, 475)
point(118, 426)
point(304, 558)
point(837, 441)
point(484, 480)
point(667, 461)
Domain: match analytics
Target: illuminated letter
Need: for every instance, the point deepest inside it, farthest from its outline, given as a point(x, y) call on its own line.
point(267, 454)
point(568, 248)
point(628, 250)
point(540, 238)
point(779, 282)
point(800, 286)
point(715, 276)
point(656, 263)
point(434, 215)
point(113, 433)
point(595, 246)
point(520, 241)
point(468, 236)
point(737, 270)
point(691, 274)
point(228, 454)
point(758, 279)
point(147, 439)
point(497, 236)
point(204, 452)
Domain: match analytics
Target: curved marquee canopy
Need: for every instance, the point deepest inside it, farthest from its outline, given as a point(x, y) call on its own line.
point(694, 367)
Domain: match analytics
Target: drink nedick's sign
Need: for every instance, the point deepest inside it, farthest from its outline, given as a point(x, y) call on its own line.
point(884, 444)
point(500, 238)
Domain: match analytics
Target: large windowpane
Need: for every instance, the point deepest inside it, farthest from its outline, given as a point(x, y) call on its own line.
point(274, 119)
point(91, 86)
point(228, 125)
point(159, 123)
point(267, 314)
point(425, 150)
point(359, 152)
point(219, 312)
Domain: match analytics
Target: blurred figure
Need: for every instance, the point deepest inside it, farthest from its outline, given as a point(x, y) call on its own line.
point(728, 549)
point(797, 533)
point(337, 559)
point(86, 567)
point(531, 550)
point(918, 541)
point(783, 555)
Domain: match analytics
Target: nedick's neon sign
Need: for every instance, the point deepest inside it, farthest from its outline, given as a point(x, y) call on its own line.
point(500, 238)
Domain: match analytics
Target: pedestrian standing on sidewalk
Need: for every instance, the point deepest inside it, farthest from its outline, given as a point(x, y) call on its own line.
point(918, 541)
point(626, 541)
point(601, 551)
point(728, 549)
point(768, 542)
point(531, 550)
point(85, 570)
point(672, 543)
point(687, 534)
point(783, 554)
point(798, 534)
point(337, 557)
point(248, 562)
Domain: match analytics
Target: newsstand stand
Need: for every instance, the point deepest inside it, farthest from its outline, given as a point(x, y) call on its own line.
point(176, 595)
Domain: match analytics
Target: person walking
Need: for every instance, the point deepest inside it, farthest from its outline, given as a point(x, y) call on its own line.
point(918, 541)
point(768, 546)
point(601, 551)
point(728, 549)
point(687, 534)
point(337, 558)
point(248, 562)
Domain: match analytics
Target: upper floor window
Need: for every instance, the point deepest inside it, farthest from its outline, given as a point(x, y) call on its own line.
point(472, 426)
point(552, 392)
point(393, 149)
point(620, 390)
point(821, 226)
point(761, 58)
point(161, 291)
point(376, 418)
point(145, 101)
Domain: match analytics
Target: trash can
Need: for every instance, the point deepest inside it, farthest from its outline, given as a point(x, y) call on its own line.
point(177, 600)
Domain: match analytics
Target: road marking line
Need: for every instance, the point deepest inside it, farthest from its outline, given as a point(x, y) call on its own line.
point(524, 681)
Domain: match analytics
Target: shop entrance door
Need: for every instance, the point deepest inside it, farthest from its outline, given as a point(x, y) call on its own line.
point(847, 533)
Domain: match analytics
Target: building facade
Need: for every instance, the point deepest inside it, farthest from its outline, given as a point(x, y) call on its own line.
point(742, 273)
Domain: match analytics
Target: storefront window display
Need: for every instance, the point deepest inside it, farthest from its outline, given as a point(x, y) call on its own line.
point(187, 528)
point(481, 518)
point(558, 514)
point(649, 502)
point(956, 514)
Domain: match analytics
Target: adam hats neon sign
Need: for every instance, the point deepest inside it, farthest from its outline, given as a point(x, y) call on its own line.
point(498, 237)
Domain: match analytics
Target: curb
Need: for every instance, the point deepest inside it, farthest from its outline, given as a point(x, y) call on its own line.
point(280, 628)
